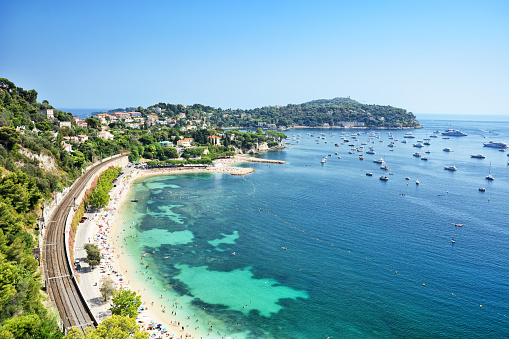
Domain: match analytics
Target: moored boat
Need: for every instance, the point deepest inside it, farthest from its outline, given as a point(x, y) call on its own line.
point(479, 156)
point(450, 168)
point(495, 144)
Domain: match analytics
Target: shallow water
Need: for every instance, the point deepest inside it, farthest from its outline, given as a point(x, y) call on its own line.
point(306, 250)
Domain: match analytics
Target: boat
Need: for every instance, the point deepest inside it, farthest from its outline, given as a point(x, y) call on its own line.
point(433, 136)
point(403, 141)
point(384, 178)
point(427, 152)
point(447, 149)
point(370, 152)
point(459, 225)
point(450, 168)
point(452, 240)
point(384, 167)
point(427, 143)
point(409, 135)
point(454, 133)
point(134, 200)
point(369, 174)
point(417, 182)
point(495, 144)
point(361, 157)
point(417, 154)
point(425, 158)
point(323, 160)
point(339, 157)
point(479, 156)
point(336, 144)
point(482, 189)
point(379, 161)
point(418, 145)
point(489, 176)
point(407, 178)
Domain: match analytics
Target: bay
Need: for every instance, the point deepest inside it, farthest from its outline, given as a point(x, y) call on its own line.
point(311, 250)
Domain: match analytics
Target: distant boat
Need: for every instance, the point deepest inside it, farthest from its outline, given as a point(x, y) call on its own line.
point(370, 152)
point(417, 154)
point(418, 145)
point(407, 178)
point(459, 225)
point(450, 168)
point(454, 133)
point(379, 161)
point(384, 178)
point(409, 135)
point(447, 149)
point(495, 144)
point(403, 141)
point(134, 200)
point(384, 167)
point(323, 160)
point(369, 174)
point(424, 158)
point(482, 189)
point(479, 156)
point(489, 176)
point(417, 182)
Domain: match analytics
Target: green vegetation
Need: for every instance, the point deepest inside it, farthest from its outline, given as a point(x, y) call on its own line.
point(93, 254)
point(113, 327)
point(107, 288)
point(125, 303)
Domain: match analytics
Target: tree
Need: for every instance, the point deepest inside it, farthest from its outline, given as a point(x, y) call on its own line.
point(99, 198)
point(93, 254)
point(125, 303)
point(111, 328)
point(9, 137)
point(259, 130)
point(107, 288)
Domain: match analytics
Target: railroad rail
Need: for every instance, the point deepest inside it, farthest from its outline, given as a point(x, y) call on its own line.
point(61, 284)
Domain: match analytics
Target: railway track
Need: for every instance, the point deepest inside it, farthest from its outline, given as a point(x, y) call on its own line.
point(61, 284)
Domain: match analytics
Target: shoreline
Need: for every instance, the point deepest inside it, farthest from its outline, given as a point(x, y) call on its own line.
point(124, 273)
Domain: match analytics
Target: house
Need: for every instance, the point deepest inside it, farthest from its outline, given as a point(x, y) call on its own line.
point(271, 126)
point(82, 124)
point(47, 112)
point(214, 140)
point(105, 135)
point(104, 127)
point(182, 115)
point(75, 119)
point(186, 142)
point(82, 138)
point(166, 143)
point(65, 124)
point(67, 147)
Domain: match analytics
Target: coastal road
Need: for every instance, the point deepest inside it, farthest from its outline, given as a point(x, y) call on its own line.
point(61, 284)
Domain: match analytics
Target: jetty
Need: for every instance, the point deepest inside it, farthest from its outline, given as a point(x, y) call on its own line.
point(268, 161)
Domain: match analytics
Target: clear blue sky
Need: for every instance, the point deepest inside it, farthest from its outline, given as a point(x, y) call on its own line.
point(426, 56)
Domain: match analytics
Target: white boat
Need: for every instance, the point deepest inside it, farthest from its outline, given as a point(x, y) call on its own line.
point(417, 154)
point(454, 133)
point(417, 182)
point(418, 145)
point(403, 141)
point(407, 178)
point(384, 167)
point(369, 174)
point(424, 158)
point(447, 149)
point(370, 152)
point(450, 168)
point(489, 176)
point(495, 144)
point(384, 178)
point(409, 135)
point(323, 160)
point(479, 156)
point(379, 161)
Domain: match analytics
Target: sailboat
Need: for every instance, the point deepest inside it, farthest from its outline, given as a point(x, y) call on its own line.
point(489, 176)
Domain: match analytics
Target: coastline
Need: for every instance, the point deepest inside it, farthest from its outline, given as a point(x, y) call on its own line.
point(122, 269)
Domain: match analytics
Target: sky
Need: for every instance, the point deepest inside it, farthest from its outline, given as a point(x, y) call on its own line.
point(441, 57)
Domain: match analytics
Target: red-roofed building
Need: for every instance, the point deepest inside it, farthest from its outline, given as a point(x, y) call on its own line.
point(214, 140)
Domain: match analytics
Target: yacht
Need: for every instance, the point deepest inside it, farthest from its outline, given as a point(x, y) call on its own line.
point(409, 135)
point(447, 149)
point(403, 141)
point(479, 156)
point(370, 152)
point(417, 154)
point(424, 158)
point(369, 174)
point(454, 133)
point(323, 160)
point(379, 161)
point(450, 168)
point(489, 176)
point(495, 144)
point(384, 178)
point(384, 167)
point(418, 145)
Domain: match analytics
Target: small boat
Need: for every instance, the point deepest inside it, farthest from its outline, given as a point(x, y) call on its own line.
point(417, 182)
point(409, 135)
point(450, 168)
point(417, 154)
point(482, 189)
point(339, 157)
point(370, 152)
point(489, 176)
point(452, 240)
point(323, 160)
point(447, 149)
point(407, 178)
point(478, 156)
point(454, 133)
point(337, 145)
point(384, 178)
point(361, 157)
point(427, 152)
point(425, 158)
point(379, 161)
point(459, 225)
point(369, 174)
point(384, 167)
point(134, 200)
point(403, 141)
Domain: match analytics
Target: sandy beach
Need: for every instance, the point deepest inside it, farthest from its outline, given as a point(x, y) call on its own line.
point(175, 321)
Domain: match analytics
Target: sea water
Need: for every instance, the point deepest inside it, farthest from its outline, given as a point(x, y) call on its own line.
point(311, 250)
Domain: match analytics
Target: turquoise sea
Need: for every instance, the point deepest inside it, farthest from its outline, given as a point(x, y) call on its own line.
point(311, 250)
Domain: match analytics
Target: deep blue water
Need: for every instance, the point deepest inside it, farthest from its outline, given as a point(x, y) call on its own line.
point(364, 258)
point(83, 113)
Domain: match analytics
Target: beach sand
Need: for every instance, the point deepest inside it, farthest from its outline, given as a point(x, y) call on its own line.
point(118, 265)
